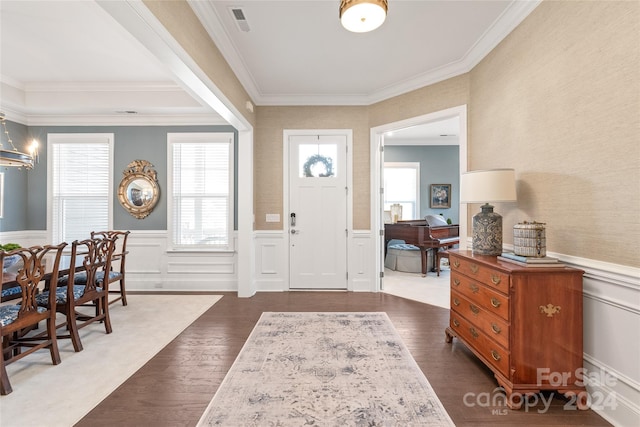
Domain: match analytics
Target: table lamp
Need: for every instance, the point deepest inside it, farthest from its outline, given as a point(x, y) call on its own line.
point(484, 186)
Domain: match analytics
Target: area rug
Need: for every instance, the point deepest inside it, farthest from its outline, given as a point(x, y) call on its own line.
point(60, 395)
point(325, 369)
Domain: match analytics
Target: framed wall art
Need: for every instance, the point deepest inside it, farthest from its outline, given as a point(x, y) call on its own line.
point(440, 196)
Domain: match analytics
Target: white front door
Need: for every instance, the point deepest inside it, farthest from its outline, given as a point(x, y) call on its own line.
point(317, 212)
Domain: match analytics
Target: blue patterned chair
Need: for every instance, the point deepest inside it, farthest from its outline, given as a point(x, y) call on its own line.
point(15, 319)
point(89, 260)
point(117, 272)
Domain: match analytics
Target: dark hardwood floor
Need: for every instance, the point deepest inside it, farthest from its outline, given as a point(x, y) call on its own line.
point(175, 387)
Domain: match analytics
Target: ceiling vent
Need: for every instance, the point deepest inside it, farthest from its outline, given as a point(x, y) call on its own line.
point(240, 19)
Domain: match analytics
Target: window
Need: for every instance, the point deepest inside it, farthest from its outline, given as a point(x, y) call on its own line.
point(201, 190)
point(402, 186)
point(79, 185)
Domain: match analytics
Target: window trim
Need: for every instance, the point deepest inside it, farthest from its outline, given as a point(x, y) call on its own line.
point(200, 137)
point(78, 138)
point(407, 165)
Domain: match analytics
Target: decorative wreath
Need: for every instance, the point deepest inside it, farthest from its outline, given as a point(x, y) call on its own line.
point(313, 160)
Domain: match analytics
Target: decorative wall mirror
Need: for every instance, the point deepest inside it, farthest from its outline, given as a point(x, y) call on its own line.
point(139, 192)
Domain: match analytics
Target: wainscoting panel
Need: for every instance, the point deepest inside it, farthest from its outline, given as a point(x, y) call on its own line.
point(272, 255)
point(362, 274)
point(151, 267)
point(611, 333)
point(271, 252)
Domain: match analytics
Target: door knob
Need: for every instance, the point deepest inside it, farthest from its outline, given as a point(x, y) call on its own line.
point(294, 231)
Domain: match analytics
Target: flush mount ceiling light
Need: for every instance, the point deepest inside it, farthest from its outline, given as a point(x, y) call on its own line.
point(360, 16)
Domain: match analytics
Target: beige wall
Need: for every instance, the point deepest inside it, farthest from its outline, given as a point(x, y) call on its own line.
point(268, 145)
point(178, 18)
point(272, 121)
point(437, 97)
point(558, 100)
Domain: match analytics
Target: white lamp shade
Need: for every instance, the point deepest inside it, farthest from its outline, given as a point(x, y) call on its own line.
point(361, 16)
point(482, 186)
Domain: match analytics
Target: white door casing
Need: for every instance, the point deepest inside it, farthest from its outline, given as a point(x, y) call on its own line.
point(317, 197)
point(377, 161)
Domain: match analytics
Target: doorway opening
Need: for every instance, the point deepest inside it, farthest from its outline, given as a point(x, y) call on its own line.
point(378, 142)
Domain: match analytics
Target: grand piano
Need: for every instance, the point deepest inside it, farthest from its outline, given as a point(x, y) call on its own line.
point(417, 232)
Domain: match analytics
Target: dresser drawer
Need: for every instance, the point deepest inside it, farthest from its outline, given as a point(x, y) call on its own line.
point(483, 320)
point(493, 278)
point(490, 350)
point(483, 295)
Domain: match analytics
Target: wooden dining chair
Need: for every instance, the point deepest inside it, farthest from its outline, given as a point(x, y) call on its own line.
point(117, 272)
point(89, 260)
point(17, 318)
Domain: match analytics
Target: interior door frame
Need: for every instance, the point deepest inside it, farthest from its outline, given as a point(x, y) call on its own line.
point(377, 161)
point(348, 134)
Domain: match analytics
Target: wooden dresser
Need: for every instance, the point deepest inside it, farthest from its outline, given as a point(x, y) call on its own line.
point(524, 323)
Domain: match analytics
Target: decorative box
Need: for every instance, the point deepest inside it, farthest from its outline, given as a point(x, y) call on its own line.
point(529, 239)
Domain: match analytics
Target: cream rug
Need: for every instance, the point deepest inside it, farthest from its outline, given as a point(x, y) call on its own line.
point(68, 391)
point(325, 369)
point(431, 290)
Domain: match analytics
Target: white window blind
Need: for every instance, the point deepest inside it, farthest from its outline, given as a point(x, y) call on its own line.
point(201, 206)
point(79, 185)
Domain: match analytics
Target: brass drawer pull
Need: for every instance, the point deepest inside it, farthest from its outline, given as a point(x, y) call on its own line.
point(456, 282)
point(496, 328)
point(455, 322)
point(473, 332)
point(495, 355)
point(475, 309)
point(456, 263)
point(495, 302)
point(474, 268)
point(495, 279)
point(456, 301)
point(474, 288)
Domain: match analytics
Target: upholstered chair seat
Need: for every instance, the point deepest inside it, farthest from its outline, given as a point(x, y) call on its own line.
point(19, 323)
point(62, 292)
point(9, 313)
point(88, 258)
point(10, 293)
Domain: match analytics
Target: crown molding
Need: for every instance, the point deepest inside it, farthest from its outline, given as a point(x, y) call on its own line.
point(118, 120)
point(102, 87)
point(510, 18)
point(513, 15)
point(212, 23)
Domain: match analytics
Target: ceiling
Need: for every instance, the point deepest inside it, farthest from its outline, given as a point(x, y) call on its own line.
point(73, 59)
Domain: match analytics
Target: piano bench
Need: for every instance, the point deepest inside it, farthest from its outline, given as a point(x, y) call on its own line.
point(403, 257)
point(439, 256)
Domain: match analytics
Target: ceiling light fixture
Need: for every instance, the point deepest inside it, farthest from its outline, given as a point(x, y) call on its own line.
point(13, 157)
point(360, 16)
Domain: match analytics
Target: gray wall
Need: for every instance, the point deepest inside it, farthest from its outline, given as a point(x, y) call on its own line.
point(26, 192)
point(439, 164)
point(15, 182)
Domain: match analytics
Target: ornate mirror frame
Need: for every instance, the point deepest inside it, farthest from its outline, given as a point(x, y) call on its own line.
point(138, 192)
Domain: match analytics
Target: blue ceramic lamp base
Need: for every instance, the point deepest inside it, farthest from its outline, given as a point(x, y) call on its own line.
point(487, 232)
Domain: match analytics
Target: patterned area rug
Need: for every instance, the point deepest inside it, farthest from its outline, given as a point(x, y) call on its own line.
point(325, 369)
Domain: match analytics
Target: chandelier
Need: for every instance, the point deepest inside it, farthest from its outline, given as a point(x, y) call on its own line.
point(361, 16)
point(10, 156)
